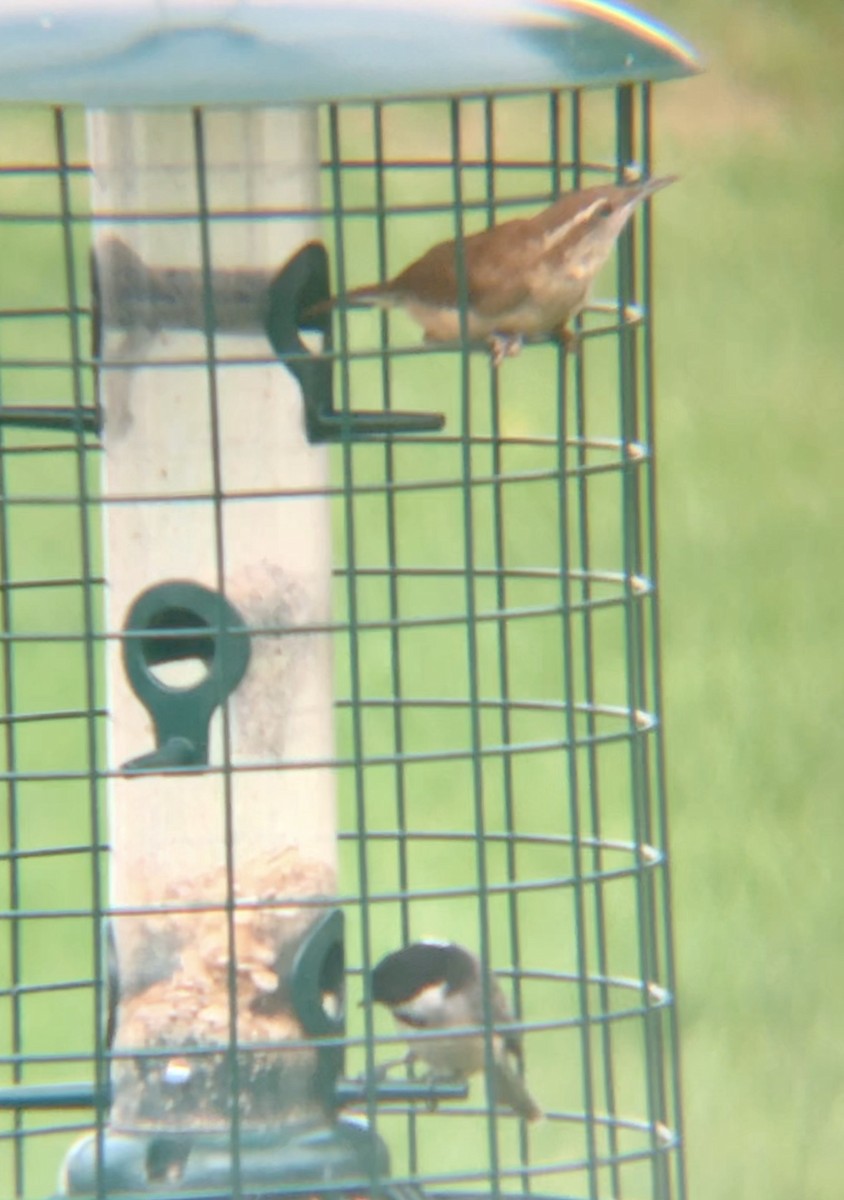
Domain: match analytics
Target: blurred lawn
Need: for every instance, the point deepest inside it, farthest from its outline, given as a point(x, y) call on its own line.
point(750, 262)
point(751, 383)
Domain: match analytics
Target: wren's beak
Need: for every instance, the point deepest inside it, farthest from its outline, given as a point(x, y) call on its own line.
point(649, 186)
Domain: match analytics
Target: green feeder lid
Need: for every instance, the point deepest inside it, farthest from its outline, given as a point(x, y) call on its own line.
point(159, 52)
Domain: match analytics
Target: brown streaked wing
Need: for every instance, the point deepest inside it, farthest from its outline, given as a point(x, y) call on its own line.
point(496, 260)
point(430, 278)
point(499, 263)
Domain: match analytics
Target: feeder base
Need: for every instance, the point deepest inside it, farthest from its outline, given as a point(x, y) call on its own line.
point(302, 1158)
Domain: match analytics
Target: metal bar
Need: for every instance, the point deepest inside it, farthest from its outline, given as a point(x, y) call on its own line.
point(652, 565)
point(502, 626)
point(91, 622)
point(584, 493)
point(397, 624)
point(629, 1013)
point(472, 653)
point(565, 521)
point(638, 690)
point(50, 416)
point(53, 1095)
point(217, 495)
point(355, 682)
point(7, 674)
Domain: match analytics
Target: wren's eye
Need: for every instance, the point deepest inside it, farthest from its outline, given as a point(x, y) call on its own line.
point(604, 209)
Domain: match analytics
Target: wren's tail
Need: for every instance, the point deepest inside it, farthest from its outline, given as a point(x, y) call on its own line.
point(363, 296)
point(511, 1090)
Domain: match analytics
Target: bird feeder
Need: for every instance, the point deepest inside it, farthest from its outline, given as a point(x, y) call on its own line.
point(318, 639)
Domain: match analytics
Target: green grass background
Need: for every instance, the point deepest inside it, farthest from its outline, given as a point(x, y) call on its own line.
point(750, 263)
point(750, 267)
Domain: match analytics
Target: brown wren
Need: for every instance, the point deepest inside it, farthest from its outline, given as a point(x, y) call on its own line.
point(524, 278)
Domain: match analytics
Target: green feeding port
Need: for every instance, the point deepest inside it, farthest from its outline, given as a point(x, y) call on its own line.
point(334, 840)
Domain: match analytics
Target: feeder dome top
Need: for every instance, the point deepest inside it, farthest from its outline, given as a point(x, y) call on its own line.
point(159, 52)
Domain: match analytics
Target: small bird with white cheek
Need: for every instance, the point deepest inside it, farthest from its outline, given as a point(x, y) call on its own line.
point(430, 985)
point(527, 277)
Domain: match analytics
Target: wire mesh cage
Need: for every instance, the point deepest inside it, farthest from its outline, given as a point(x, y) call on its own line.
point(319, 641)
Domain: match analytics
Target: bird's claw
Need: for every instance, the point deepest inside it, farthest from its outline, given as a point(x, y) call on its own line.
point(382, 1070)
point(430, 1080)
point(504, 345)
point(570, 340)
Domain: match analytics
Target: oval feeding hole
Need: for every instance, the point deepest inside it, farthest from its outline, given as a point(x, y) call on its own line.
point(178, 649)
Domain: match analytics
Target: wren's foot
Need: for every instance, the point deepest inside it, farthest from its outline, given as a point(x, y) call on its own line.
point(570, 340)
point(504, 345)
point(432, 1077)
point(382, 1070)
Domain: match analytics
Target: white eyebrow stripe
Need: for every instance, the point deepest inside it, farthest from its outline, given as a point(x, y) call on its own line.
point(562, 231)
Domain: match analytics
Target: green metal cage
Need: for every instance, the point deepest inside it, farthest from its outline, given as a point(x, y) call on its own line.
point(486, 760)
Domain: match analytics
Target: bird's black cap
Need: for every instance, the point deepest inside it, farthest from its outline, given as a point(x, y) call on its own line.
point(404, 973)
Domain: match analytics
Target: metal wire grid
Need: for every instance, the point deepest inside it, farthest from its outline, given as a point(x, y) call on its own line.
point(499, 747)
